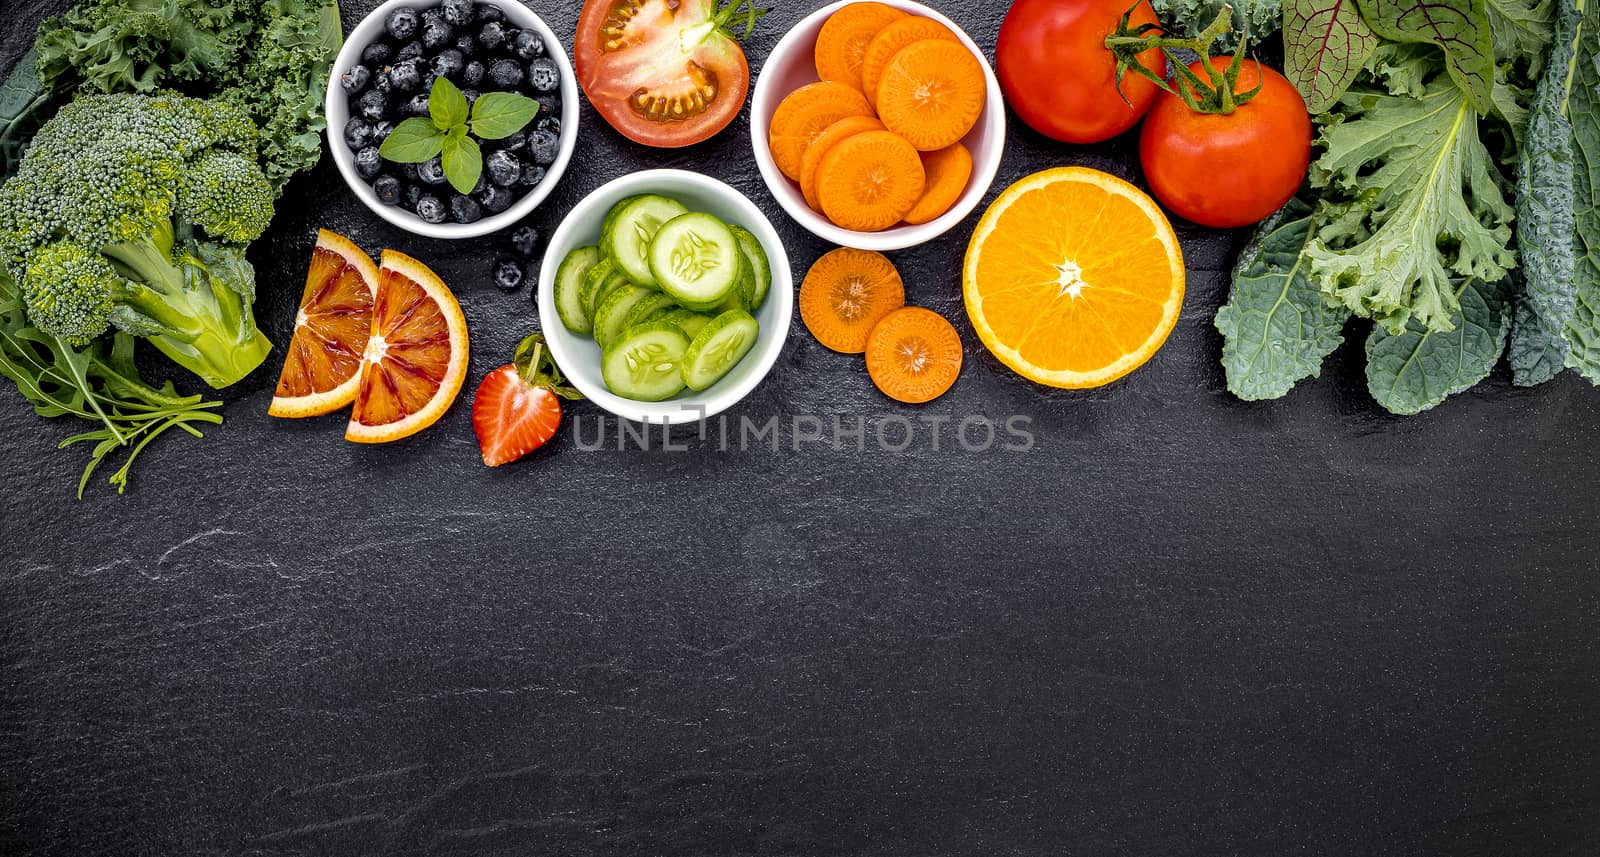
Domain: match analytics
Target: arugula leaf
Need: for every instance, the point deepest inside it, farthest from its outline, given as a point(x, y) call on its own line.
point(1459, 27)
point(1325, 45)
point(1583, 108)
point(1546, 221)
point(1428, 207)
point(1276, 327)
point(1418, 368)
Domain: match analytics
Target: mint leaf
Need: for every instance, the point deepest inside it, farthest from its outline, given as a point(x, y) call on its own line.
point(1583, 331)
point(497, 115)
point(1460, 27)
point(463, 163)
point(1276, 327)
point(1417, 369)
point(412, 142)
point(1325, 45)
point(447, 105)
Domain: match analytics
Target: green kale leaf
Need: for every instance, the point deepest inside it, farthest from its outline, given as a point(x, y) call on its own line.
point(1258, 18)
point(1583, 330)
point(1459, 27)
point(1418, 368)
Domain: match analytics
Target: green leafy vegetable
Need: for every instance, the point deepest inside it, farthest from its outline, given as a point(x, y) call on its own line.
point(1257, 19)
point(1416, 369)
point(1276, 327)
point(1325, 46)
point(1459, 27)
point(23, 104)
point(1583, 331)
point(463, 162)
point(413, 141)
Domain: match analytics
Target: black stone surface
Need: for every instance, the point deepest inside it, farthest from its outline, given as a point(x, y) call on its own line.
point(1179, 624)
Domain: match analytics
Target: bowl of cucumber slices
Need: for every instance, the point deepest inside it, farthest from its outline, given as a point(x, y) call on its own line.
point(666, 297)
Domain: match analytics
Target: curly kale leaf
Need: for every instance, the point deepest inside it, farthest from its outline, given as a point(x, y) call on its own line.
point(1276, 327)
point(1583, 108)
point(1259, 18)
point(1418, 368)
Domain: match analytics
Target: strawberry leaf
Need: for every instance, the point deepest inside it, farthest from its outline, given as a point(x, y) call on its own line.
point(1325, 44)
point(1460, 27)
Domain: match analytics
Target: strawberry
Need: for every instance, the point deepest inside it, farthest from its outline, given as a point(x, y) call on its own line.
point(518, 407)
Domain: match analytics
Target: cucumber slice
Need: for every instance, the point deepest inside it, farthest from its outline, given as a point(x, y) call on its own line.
point(613, 283)
point(608, 319)
point(687, 320)
point(628, 237)
point(760, 267)
point(593, 280)
point(611, 216)
point(718, 348)
point(570, 305)
point(646, 363)
point(697, 260)
point(649, 309)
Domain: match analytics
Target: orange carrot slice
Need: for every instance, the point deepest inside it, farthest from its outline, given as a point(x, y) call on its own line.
point(835, 134)
point(870, 182)
point(914, 355)
point(805, 113)
point(842, 42)
point(890, 40)
point(932, 93)
point(845, 294)
point(948, 170)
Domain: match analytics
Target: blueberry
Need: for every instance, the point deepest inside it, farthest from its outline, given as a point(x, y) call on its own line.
point(490, 12)
point(409, 51)
point(409, 173)
point(406, 76)
point(357, 133)
point(417, 106)
point(401, 24)
point(411, 196)
point(508, 275)
point(496, 199)
point(465, 209)
point(436, 34)
point(373, 105)
point(369, 163)
point(526, 241)
point(492, 35)
point(449, 63)
point(355, 79)
point(532, 176)
point(428, 80)
point(380, 81)
point(376, 53)
point(527, 45)
point(458, 12)
point(471, 95)
point(503, 168)
point(388, 190)
point(430, 209)
point(382, 130)
point(434, 14)
point(549, 104)
point(431, 172)
point(506, 73)
point(544, 147)
point(511, 143)
point(549, 122)
point(483, 182)
point(472, 74)
point(544, 75)
point(467, 45)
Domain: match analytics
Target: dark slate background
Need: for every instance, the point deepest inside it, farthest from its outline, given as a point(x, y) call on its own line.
point(1179, 624)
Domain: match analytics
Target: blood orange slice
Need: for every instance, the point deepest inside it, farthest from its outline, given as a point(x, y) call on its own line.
point(330, 332)
point(416, 359)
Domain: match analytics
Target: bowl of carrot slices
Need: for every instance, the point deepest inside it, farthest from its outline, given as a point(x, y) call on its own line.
point(877, 125)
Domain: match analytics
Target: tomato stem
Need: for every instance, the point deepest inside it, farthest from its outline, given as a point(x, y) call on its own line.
point(746, 13)
point(1216, 95)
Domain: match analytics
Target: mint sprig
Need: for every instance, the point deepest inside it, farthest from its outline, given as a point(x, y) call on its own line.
point(448, 130)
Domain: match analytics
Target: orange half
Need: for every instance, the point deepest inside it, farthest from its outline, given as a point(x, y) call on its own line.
point(1073, 278)
point(330, 331)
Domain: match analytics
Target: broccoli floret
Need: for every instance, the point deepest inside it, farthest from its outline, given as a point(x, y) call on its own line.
point(132, 211)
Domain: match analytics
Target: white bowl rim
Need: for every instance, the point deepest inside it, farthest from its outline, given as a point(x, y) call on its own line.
point(336, 106)
point(696, 406)
point(898, 238)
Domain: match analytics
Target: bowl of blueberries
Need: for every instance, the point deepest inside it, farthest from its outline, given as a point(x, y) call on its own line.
point(383, 76)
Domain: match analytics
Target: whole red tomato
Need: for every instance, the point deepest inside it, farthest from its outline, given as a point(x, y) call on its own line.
point(1060, 78)
point(1231, 169)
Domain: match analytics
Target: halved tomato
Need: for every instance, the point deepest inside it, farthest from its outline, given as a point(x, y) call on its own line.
point(665, 73)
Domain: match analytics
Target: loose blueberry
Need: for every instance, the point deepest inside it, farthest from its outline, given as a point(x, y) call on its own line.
point(430, 208)
point(490, 12)
point(508, 275)
point(436, 34)
point(465, 209)
point(401, 24)
point(532, 176)
point(457, 12)
point(382, 130)
point(406, 76)
point(473, 73)
point(544, 147)
point(503, 168)
point(388, 190)
point(431, 172)
point(496, 199)
point(409, 51)
point(355, 79)
point(369, 163)
point(526, 241)
point(417, 106)
point(373, 105)
point(505, 73)
point(357, 133)
point(544, 75)
point(527, 45)
point(492, 36)
point(410, 196)
point(549, 122)
point(376, 53)
point(467, 45)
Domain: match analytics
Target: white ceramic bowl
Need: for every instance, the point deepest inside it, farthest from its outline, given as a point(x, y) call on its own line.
point(338, 112)
point(791, 66)
point(579, 357)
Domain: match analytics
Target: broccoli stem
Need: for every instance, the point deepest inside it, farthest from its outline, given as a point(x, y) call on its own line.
point(194, 319)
